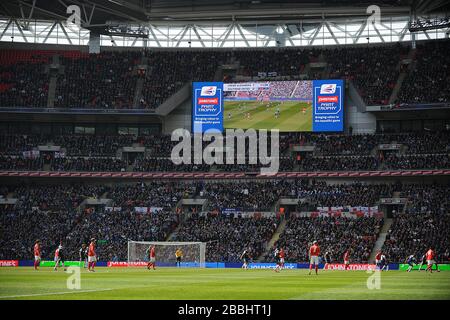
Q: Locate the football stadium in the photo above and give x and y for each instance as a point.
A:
(224, 150)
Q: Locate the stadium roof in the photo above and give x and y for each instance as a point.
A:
(216, 23)
(102, 11)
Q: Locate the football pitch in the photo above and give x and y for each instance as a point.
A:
(261, 116)
(226, 284)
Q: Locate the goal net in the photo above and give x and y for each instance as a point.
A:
(193, 253)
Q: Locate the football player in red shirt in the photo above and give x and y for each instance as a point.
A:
(282, 256)
(37, 254)
(152, 258)
(92, 258)
(346, 259)
(279, 256)
(378, 259)
(314, 252)
(430, 260)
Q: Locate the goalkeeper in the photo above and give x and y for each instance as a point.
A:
(178, 256)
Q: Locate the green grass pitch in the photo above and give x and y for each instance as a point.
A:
(291, 116)
(232, 284)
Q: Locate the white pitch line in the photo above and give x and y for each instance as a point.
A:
(52, 293)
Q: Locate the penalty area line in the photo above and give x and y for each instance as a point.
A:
(53, 293)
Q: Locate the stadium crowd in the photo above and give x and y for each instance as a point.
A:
(415, 234)
(321, 194)
(335, 234)
(88, 80)
(426, 199)
(163, 195)
(430, 161)
(23, 80)
(20, 163)
(16, 144)
(373, 70)
(165, 165)
(424, 223)
(287, 62)
(92, 145)
(46, 212)
(416, 150)
(347, 163)
(115, 228)
(247, 196)
(88, 164)
(169, 71)
(55, 213)
(427, 82)
(228, 236)
(102, 81)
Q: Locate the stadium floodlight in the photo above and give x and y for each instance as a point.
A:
(193, 253)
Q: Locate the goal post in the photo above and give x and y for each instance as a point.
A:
(193, 253)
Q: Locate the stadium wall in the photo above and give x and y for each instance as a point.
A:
(361, 122)
(180, 117)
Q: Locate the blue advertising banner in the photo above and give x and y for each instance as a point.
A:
(229, 211)
(260, 265)
(265, 265)
(207, 106)
(328, 105)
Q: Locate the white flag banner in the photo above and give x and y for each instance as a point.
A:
(155, 209)
(140, 209)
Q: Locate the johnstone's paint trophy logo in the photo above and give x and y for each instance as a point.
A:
(328, 88)
(208, 91)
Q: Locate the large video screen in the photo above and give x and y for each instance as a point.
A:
(300, 105)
